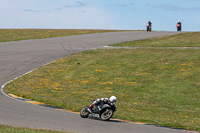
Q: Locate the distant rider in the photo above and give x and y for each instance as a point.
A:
(110, 100)
(149, 23)
(179, 22)
(179, 26)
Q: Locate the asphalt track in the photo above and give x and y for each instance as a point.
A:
(17, 58)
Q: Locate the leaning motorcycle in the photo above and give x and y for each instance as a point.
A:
(103, 111)
(178, 27)
(148, 28)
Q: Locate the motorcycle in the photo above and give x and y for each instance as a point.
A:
(148, 28)
(103, 111)
(178, 27)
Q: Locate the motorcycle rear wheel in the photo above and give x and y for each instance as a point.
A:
(84, 113)
(178, 29)
(148, 29)
(106, 114)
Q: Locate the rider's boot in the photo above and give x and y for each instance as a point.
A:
(90, 108)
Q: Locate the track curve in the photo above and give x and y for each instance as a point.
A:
(17, 58)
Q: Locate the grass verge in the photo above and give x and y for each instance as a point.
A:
(154, 86)
(24, 34)
(9, 129)
(181, 40)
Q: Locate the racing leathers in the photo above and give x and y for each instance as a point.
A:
(97, 101)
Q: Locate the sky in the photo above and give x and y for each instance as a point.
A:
(100, 14)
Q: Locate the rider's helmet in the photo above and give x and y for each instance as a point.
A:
(113, 99)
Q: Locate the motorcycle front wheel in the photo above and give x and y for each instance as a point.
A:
(147, 29)
(84, 113)
(106, 114)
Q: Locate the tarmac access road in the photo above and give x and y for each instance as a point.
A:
(17, 58)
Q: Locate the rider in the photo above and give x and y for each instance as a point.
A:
(149, 23)
(178, 25)
(179, 22)
(111, 100)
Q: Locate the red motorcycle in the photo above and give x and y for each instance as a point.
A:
(178, 27)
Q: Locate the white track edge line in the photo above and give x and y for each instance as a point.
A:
(5, 94)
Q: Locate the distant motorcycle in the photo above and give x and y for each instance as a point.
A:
(148, 28)
(103, 111)
(178, 27)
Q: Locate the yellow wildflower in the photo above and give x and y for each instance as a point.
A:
(144, 74)
(85, 82)
(99, 70)
(83, 92)
(183, 64)
(106, 83)
(107, 88)
(130, 83)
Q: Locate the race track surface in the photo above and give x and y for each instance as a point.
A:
(17, 58)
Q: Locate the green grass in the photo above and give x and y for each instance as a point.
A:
(181, 40)
(158, 86)
(155, 86)
(9, 129)
(24, 34)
